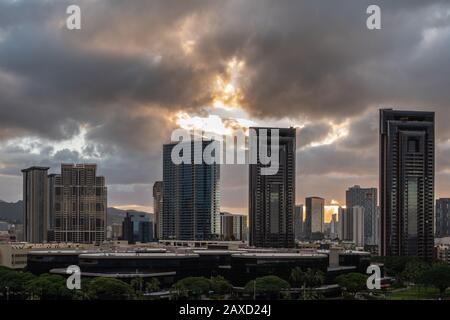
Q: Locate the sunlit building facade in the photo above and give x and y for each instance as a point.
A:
(315, 216)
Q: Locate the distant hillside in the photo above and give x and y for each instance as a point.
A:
(12, 212)
(117, 215)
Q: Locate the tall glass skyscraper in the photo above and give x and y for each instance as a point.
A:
(272, 197)
(137, 227)
(442, 217)
(191, 203)
(35, 204)
(407, 148)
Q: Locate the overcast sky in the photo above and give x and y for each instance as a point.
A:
(112, 92)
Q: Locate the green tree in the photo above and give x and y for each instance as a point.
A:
(13, 284)
(437, 276)
(268, 286)
(102, 288)
(152, 285)
(138, 285)
(308, 279)
(220, 285)
(83, 294)
(395, 266)
(352, 282)
(191, 287)
(413, 271)
(49, 287)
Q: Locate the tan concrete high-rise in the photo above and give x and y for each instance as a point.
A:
(35, 204)
(79, 204)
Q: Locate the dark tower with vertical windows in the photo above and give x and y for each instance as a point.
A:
(191, 197)
(272, 197)
(407, 183)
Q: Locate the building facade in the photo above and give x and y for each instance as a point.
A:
(334, 227)
(407, 154)
(233, 226)
(442, 217)
(443, 253)
(158, 191)
(345, 216)
(79, 204)
(272, 197)
(367, 199)
(191, 204)
(35, 204)
(359, 224)
(137, 227)
(298, 222)
(315, 215)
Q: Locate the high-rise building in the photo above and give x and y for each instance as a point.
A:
(345, 216)
(114, 231)
(442, 217)
(158, 191)
(340, 223)
(137, 227)
(79, 204)
(407, 148)
(315, 215)
(272, 197)
(233, 226)
(298, 222)
(334, 226)
(366, 198)
(35, 204)
(191, 201)
(51, 204)
(358, 226)
(377, 227)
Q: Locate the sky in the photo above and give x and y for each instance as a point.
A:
(112, 92)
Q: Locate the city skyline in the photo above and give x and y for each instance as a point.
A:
(198, 71)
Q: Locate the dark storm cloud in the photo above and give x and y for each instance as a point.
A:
(313, 132)
(363, 132)
(318, 58)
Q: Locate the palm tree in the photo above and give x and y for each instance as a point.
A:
(308, 280)
(152, 285)
(137, 284)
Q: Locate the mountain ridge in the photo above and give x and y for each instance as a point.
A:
(12, 212)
